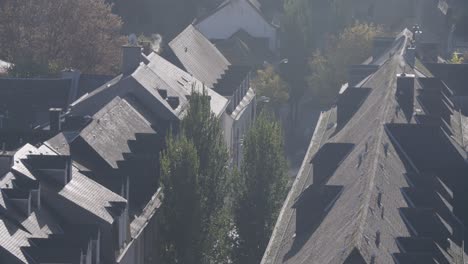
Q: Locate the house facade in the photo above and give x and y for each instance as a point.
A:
(199, 57)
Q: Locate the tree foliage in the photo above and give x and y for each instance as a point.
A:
(209, 181)
(329, 68)
(262, 187)
(269, 84)
(457, 58)
(179, 215)
(42, 36)
(297, 38)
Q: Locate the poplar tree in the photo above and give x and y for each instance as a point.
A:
(261, 189)
(196, 215)
(179, 219)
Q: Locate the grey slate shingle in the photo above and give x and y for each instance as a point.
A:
(199, 56)
(373, 210)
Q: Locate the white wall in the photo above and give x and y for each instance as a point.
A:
(235, 16)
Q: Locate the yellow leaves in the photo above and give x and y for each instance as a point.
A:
(457, 58)
(329, 68)
(268, 83)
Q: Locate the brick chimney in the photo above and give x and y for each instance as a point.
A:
(131, 58)
(54, 119)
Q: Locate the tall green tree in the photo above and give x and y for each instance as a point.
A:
(180, 227)
(305, 27)
(44, 36)
(195, 173)
(261, 190)
(204, 129)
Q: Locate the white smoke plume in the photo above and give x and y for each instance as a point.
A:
(156, 42)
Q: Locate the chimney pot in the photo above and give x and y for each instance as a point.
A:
(131, 59)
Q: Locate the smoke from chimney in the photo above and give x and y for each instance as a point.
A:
(156, 41)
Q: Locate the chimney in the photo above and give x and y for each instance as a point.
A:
(173, 101)
(381, 44)
(357, 73)
(74, 76)
(146, 47)
(131, 58)
(410, 55)
(54, 119)
(405, 94)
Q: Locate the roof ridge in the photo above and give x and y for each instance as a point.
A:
(397, 58)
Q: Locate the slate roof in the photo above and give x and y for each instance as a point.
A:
(182, 83)
(153, 85)
(454, 75)
(42, 93)
(377, 158)
(112, 128)
(255, 4)
(243, 49)
(24, 237)
(26, 102)
(90, 82)
(199, 56)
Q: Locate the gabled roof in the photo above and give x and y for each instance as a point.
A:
(142, 84)
(112, 129)
(153, 85)
(362, 222)
(243, 49)
(23, 233)
(199, 56)
(255, 4)
(182, 83)
(90, 82)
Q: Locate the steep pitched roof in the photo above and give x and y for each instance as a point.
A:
(361, 223)
(142, 84)
(19, 228)
(182, 83)
(199, 56)
(112, 128)
(243, 49)
(255, 4)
